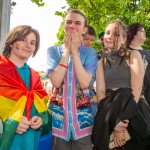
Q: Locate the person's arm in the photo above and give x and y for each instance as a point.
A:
(137, 73)
(100, 81)
(83, 76)
(57, 76)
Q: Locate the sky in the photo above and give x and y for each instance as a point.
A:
(44, 20)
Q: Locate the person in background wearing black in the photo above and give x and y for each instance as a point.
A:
(135, 40)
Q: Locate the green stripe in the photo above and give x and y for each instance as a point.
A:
(10, 126)
(47, 122)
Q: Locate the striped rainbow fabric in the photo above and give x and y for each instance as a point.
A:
(15, 98)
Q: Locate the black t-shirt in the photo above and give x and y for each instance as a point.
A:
(145, 53)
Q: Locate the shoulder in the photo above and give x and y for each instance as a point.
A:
(34, 73)
(135, 54)
(88, 50)
(135, 58)
(3, 59)
(55, 48)
(55, 51)
(91, 50)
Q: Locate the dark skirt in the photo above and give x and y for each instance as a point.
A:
(120, 105)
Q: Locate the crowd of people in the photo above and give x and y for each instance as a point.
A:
(113, 115)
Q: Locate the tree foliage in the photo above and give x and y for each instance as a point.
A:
(100, 12)
(42, 74)
(40, 3)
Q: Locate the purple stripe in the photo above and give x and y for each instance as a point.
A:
(79, 132)
(56, 131)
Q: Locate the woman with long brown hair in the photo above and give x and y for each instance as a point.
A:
(118, 93)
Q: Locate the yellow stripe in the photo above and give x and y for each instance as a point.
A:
(41, 104)
(6, 105)
(17, 111)
(11, 108)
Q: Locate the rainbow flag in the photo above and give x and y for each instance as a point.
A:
(15, 98)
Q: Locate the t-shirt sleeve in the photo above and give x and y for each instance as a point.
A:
(52, 59)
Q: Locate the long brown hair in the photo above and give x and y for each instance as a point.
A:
(16, 34)
(123, 52)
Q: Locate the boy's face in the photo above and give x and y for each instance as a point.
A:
(87, 40)
(75, 22)
(24, 47)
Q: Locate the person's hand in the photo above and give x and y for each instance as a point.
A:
(76, 41)
(119, 138)
(23, 125)
(36, 122)
(119, 133)
(121, 126)
(67, 41)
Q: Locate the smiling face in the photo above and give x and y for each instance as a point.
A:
(24, 47)
(75, 21)
(114, 36)
(140, 35)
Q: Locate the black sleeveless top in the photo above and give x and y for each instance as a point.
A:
(117, 74)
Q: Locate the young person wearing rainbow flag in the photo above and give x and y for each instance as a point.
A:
(23, 99)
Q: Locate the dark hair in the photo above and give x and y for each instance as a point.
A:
(91, 31)
(132, 31)
(76, 11)
(101, 34)
(16, 34)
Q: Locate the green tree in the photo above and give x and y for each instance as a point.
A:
(40, 3)
(100, 12)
